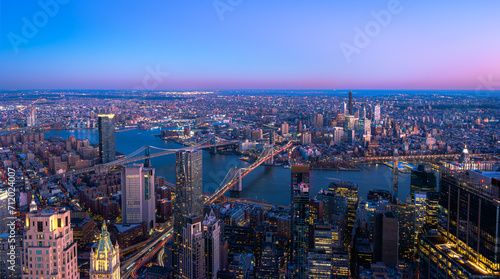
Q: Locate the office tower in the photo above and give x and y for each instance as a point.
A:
(319, 265)
(192, 250)
(423, 179)
(31, 119)
(300, 218)
(49, 249)
(343, 109)
(106, 124)
(420, 202)
(188, 194)
(319, 121)
(4, 205)
(333, 204)
(306, 138)
(338, 134)
(211, 236)
(376, 114)
(469, 235)
(405, 213)
(349, 123)
(340, 264)
(315, 211)
(268, 267)
(351, 111)
(431, 213)
(323, 236)
(138, 196)
(349, 190)
(386, 238)
(363, 113)
(284, 129)
(105, 260)
(10, 259)
(395, 172)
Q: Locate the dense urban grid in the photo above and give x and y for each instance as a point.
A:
(85, 208)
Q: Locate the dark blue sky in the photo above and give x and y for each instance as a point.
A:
(246, 44)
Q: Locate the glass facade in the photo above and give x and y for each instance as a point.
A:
(107, 150)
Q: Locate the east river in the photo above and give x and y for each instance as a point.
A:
(267, 183)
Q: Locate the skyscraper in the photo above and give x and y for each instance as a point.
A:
(468, 243)
(106, 124)
(349, 190)
(351, 112)
(423, 179)
(376, 114)
(105, 260)
(386, 238)
(138, 196)
(192, 252)
(395, 172)
(300, 218)
(211, 236)
(31, 120)
(284, 129)
(268, 268)
(188, 194)
(51, 253)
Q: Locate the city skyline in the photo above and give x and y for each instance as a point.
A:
(249, 45)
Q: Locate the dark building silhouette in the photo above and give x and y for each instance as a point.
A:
(107, 152)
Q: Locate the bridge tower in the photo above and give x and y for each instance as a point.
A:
(237, 188)
(147, 151)
(213, 141)
(268, 150)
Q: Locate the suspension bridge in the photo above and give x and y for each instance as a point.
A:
(232, 181)
(212, 142)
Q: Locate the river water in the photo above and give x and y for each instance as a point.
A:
(267, 183)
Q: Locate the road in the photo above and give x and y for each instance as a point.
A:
(130, 266)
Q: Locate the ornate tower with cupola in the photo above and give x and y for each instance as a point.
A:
(105, 261)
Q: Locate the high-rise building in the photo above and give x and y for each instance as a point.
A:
(300, 218)
(211, 236)
(31, 119)
(192, 250)
(49, 248)
(306, 138)
(423, 179)
(343, 109)
(105, 260)
(376, 114)
(338, 134)
(395, 172)
(284, 129)
(188, 194)
(268, 267)
(332, 204)
(138, 196)
(107, 150)
(386, 238)
(319, 265)
(319, 121)
(405, 213)
(468, 243)
(323, 237)
(349, 190)
(11, 249)
(351, 110)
